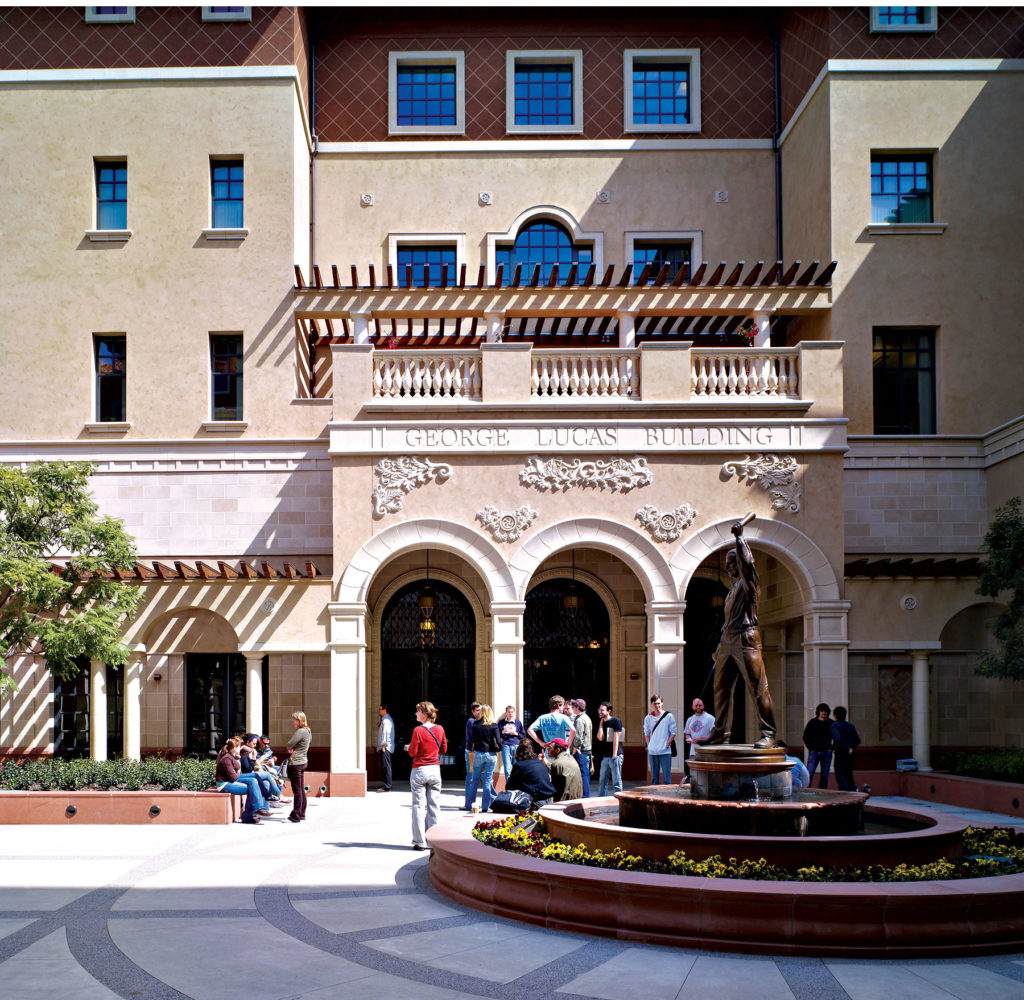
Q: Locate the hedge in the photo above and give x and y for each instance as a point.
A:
(53, 774)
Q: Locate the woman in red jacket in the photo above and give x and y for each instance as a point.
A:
(426, 746)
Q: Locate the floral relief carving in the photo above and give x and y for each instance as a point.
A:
(775, 474)
(399, 476)
(509, 526)
(622, 474)
(666, 526)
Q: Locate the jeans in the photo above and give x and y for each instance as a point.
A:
(483, 764)
(249, 806)
(270, 788)
(508, 758)
(611, 771)
(814, 758)
(426, 798)
(843, 766)
(661, 768)
(385, 768)
(583, 759)
(297, 776)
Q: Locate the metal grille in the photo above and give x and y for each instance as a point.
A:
(400, 627)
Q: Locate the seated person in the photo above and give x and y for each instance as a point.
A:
(565, 772)
(530, 775)
(799, 776)
(268, 783)
(229, 778)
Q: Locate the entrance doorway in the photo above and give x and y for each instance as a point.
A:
(566, 647)
(215, 700)
(428, 664)
(71, 712)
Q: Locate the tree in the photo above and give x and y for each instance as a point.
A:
(1004, 548)
(72, 610)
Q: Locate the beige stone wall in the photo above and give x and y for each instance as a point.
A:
(26, 715)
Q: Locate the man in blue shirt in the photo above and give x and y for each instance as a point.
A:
(553, 725)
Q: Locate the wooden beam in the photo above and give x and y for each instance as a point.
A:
(143, 573)
(408, 275)
(185, 572)
(498, 277)
(247, 571)
(825, 278)
(571, 279)
(698, 274)
(627, 276)
(679, 280)
(552, 278)
(517, 275)
(300, 282)
(317, 280)
(311, 570)
(805, 278)
(207, 572)
(444, 276)
(588, 281)
(269, 573)
(391, 276)
(755, 271)
(355, 277)
(773, 274)
(662, 276)
(462, 276)
(535, 277)
(716, 278)
(226, 572)
(335, 277)
(373, 277)
(289, 571)
(734, 275)
(608, 275)
(787, 278)
(481, 276)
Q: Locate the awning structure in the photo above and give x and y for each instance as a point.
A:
(196, 569)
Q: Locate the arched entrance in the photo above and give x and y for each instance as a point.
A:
(428, 665)
(566, 628)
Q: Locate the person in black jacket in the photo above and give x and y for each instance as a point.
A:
(486, 747)
(845, 739)
(530, 775)
(818, 740)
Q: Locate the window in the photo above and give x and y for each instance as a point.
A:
(426, 93)
(904, 381)
(901, 188)
(226, 178)
(544, 91)
(109, 354)
(112, 194)
(226, 371)
(904, 19)
(72, 700)
(109, 15)
(546, 244)
(227, 13)
(656, 256)
(661, 88)
(427, 263)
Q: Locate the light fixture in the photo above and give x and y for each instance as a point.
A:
(572, 600)
(427, 603)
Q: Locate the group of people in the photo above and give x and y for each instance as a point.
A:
(831, 742)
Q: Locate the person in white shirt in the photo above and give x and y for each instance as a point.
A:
(385, 745)
(659, 732)
(698, 727)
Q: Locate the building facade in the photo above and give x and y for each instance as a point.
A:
(434, 358)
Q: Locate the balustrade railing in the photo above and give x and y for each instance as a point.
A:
(586, 374)
(772, 372)
(426, 374)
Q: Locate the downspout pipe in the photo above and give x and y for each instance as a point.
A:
(312, 156)
(776, 49)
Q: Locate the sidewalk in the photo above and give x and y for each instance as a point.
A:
(341, 907)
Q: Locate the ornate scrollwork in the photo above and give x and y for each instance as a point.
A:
(509, 526)
(399, 476)
(776, 474)
(667, 526)
(622, 474)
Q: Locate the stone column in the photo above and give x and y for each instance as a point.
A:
(627, 329)
(665, 657)
(507, 656)
(495, 324)
(348, 691)
(97, 710)
(133, 703)
(920, 713)
(360, 328)
(253, 692)
(762, 336)
(826, 673)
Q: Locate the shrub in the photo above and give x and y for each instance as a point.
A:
(996, 764)
(50, 774)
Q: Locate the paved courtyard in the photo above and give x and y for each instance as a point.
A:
(341, 907)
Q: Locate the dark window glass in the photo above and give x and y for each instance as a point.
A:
(427, 263)
(111, 11)
(110, 378)
(228, 189)
(902, 15)
(426, 95)
(112, 194)
(543, 94)
(661, 93)
(71, 714)
(904, 381)
(546, 244)
(675, 255)
(901, 188)
(226, 369)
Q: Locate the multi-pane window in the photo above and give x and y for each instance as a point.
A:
(543, 94)
(110, 378)
(657, 255)
(427, 263)
(226, 375)
(227, 13)
(227, 182)
(109, 15)
(901, 188)
(904, 18)
(111, 194)
(661, 93)
(546, 244)
(426, 95)
(904, 381)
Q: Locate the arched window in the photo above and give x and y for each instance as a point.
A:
(545, 243)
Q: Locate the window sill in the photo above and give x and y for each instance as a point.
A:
(691, 127)
(544, 129)
(108, 427)
(225, 426)
(225, 234)
(108, 235)
(908, 229)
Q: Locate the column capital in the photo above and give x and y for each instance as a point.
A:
(253, 654)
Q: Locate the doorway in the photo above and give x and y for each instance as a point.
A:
(215, 700)
(71, 712)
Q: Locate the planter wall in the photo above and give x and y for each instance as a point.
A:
(19, 808)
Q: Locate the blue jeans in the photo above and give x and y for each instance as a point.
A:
(583, 759)
(814, 758)
(268, 785)
(483, 764)
(661, 765)
(248, 786)
(508, 758)
(611, 771)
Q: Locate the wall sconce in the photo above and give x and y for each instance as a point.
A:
(634, 677)
(158, 677)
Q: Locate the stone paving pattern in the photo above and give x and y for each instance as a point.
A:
(341, 907)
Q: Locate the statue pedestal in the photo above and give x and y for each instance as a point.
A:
(740, 772)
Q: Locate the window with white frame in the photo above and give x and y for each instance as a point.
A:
(903, 19)
(656, 251)
(109, 15)
(227, 13)
(544, 91)
(426, 260)
(661, 90)
(426, 93)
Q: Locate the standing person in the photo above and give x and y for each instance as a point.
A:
(818, 740)
(659, 732)
(425, 747)
(474, 714)
(486, 747)
(845, 740)
(608, 748)
(512, 734)
(297, 748)
(385, 745)
(553, 724)
(584, 741)
(698, 727)
(565, 772)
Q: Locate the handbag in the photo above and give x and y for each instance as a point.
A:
(513, 801)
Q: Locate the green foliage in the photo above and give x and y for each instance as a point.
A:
(47, 513)
(51, 774)
(996, 764)
(1004, 572)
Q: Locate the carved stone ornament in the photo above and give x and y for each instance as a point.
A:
(622, 474)
(399, 476)
(776, 474)
(506, 527)
(669, 526)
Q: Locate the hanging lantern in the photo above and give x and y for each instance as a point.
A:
(427, 603)
(572, 601)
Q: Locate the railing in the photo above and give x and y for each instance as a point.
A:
(751, 372)
(426, 375)
(592, 374)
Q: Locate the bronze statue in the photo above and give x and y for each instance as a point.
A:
(739, 649)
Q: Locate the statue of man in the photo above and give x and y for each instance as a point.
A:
(739, 649)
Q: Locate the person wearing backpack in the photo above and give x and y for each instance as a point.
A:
(425, 747)
(659, 732)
